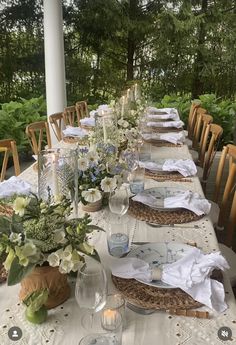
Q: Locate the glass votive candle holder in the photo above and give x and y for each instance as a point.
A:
(116, 302)
(111, 321)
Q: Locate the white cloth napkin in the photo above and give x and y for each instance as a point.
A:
(162, 117)
(176, 124)
(191, 273)
(88, 121)
(93, 113)
(188, 200)
(74, 132)
(185, 167)
(14, 185)
(174, 138)
(154, 110)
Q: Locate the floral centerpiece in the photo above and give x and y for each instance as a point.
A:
(100, 172)
(42, 245)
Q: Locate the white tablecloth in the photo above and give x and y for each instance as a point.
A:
(63, 326)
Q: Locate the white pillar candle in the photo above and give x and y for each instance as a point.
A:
(122, 107)
(55, 186)
(104, 128)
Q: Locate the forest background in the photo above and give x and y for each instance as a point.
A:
(176, 50)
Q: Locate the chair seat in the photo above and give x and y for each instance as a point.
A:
(214, 212)
(230, 256)
(194, 155)
(188, 142)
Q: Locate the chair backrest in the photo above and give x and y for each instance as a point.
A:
(208, 149)
(70, 116)
(56, 122)
(192, 119)
(228, 154)
(82, 109)
(231, 226)
(37, 132)
(200, 128)
(8, 146)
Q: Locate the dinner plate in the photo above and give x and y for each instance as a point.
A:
(158, 254)
(160, 193)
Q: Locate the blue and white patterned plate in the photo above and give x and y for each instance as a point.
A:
(157, 254)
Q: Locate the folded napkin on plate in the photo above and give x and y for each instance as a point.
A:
(185, 167)
(88, 121)
(154, 110)
(74, 132)
(163, 116)
(14, 185)
(191, 273)
(174, 138)
(188, 200)
(176, 124)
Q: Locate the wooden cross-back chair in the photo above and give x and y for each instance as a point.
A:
(8, 146)
(192, 119)
(70, 116)
(208, 150)
(199, 131)
(82, 109)
(37, 132)
(228, 157)
(56, 122)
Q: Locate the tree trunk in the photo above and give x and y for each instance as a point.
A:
(133, 4)
(197, 83)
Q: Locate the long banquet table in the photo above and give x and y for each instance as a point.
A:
(63, 326)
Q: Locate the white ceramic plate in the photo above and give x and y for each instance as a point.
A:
(160, 193)
(157, 254)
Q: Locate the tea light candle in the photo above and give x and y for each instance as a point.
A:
(111, 319)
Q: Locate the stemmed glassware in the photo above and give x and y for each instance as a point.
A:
(117, 235)
(119, 202)
(91, 290)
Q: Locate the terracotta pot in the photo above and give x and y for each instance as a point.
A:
(50, 278)
(92, 206)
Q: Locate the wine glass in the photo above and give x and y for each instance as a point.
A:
(119, 202)
(117, 234)
(91, 290)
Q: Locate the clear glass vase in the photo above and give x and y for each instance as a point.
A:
(58, 175)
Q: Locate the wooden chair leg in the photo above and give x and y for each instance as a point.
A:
(15, 158)
(4, 165)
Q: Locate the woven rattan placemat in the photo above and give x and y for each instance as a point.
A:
(145, 213)
(165, 129)
(151, 297)
(160, 143)
(172, 176)
(74, 140)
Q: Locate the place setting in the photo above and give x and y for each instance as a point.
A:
(168, 205)
(180, 170)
